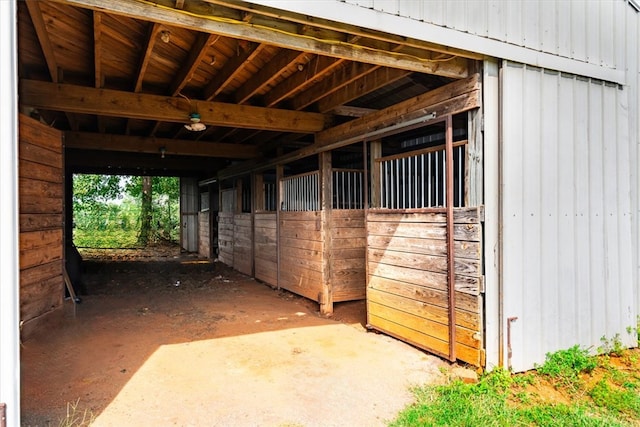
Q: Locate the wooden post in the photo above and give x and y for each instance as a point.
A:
(451, 275)
(326, 205)
(376, 153)
(279, 176)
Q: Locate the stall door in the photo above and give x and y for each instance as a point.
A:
(189, 201)
(225, 226)
(408, 292)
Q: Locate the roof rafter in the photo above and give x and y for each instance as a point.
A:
(230, 70)
(456, 67)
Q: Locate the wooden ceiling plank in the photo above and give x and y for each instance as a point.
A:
(152, 34)
(138, 144)
(315, 69)
(267, 74)
(455, 67)
(196, 54)
(79, 99)
(229, 70)
(33, 6)
(361, 86)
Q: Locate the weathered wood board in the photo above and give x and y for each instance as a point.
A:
(407, 289)
(348, 252)
(243, 243)
(204, 229)
(41, 199)
(265, 247)
(301, 243)
(225, 238)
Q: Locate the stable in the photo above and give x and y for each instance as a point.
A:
(470, 169)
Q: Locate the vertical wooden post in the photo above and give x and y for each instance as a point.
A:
(279, 176)
(376, 153)
(258, 192)
(326, 205)
(451, 274)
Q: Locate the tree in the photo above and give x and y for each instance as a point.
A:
(146, 211)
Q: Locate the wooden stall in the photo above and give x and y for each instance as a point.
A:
(225, 226)
(407, 293)
(41, 223)
(322, 236)
(424, 251)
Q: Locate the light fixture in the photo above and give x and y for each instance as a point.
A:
(194, 118)
(195, 125)
(162, 151)
(165, 36)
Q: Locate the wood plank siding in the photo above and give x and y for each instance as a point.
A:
(243, 243)
(407, 289)
(265, 256)
(301, 244)
(204, 230)
(348, 254)
(41, 223)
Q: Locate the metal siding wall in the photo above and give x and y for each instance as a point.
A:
(566, 207)
(584, 30)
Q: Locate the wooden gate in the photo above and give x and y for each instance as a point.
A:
(411, 246)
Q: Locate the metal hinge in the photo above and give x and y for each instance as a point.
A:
(3, 415)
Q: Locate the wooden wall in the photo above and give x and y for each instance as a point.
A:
(41, 222)
(243, 243)
(301, 246)
(204, 234)
(407, 291)
(225, 226)
(348, 254)
(265, 247)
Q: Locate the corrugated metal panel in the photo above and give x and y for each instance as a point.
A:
(566, 212)
(584, 30)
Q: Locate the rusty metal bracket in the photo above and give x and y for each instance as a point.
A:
(510, 320)
(3, 415)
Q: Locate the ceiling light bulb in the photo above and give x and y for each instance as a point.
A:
(165, 36)
(195, 126)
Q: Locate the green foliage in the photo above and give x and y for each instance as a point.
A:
(487, 404)
(106, 210)
(502, 399)
(620, 399)
(564, 366)
(613, 345)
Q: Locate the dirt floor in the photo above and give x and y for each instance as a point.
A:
(166, 339)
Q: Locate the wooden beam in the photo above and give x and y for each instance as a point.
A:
(79, 99)
(267, 74)
(456, 67)
(196, 54)
(231, 68)
(454, 98)
(461, 95)
(361, 86)
(350, 29)
(152, 33)
(33, 6)
(97, 48)
(139, 144)
(315, 69)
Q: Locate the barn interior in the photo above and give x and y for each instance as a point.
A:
(216, 91)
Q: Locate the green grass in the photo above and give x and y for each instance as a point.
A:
(597, 393)
(105, 238)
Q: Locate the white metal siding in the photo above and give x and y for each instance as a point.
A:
(567, 212)
(9, 243)
(189, 199)
(583, 37)
(584, 30)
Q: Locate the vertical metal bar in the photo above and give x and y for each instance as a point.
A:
(451, 274)
(423, 180)
(437, 200)
(402, 180)
(430, 180)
